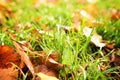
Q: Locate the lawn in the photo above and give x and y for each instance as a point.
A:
(60, 39)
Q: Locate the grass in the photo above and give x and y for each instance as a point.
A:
(78, 55)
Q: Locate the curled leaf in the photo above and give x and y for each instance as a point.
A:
(23, 56)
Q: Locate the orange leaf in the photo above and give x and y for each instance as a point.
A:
(8, 74)
(115, 15)
(7, 55)
(110, 46)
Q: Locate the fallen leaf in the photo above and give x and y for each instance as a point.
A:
(50, 61)
(23, 56)
(38, 3)
(45, 70)
(74, 28)
(45, 73)
(8, 74)
(115, 59)
(110, 46)
(26, 46)
(92, 1)
(45, 77)
(37, 33)
(9, 12)
(28, 26)
(2, 4)
(17, 26)
(8, 55)
(115, 14)
(76, 17)
(95, 39)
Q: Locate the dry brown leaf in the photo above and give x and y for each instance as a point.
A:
(95, 39)
(17, 26)
(50, 61)
(45, 73)
(8, 55)
(9, 12)
(115, 59)
(46, 70)
(28, 25)
(37, 33)
(38, 3)
(26, 46)
(85, 14)
(74, 28)
(2, 4)
(23, 56)
(45, 77)
(8, 74)
(1, 7)
(115, 14)
(110, 46)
